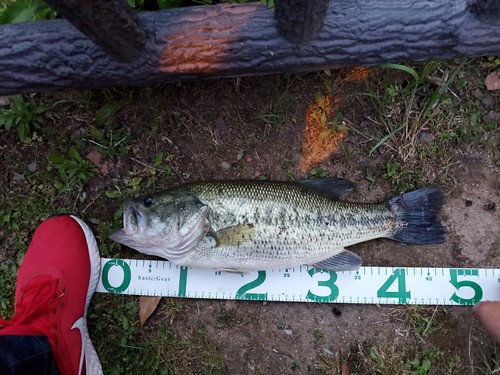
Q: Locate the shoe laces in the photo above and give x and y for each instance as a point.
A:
(36, 305)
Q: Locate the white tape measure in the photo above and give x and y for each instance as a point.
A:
(373, 285)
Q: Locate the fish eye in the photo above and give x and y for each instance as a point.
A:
(148, 201)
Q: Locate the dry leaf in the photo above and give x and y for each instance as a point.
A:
(321, 134)
(147, 306)
(345, 369)
(357, 73)
(436, 81)
(95, 157)
(493, 81)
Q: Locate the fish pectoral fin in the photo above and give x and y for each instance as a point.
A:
(234, 235)
(335, 188)
(344, 261)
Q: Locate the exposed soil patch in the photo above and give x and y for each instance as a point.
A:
(252, 129)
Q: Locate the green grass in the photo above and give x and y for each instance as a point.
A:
(125, 348)
(227, 318)
(25, 116)
(281, 103)
(317, 334)
(422, 115)
(364, 358)
(146, 135)
(427, 325)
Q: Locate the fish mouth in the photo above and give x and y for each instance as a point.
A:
(133, 222)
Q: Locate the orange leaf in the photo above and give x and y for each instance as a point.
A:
(493, 81)
(147, 306)
(357, 73)
(321, 136)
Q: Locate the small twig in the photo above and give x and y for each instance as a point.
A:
(178, 173)
(91, 203)
(78, 196)
(120, 141)
(350, 125)
(96, 143)
(471, 360)
(430, 321)
(144, 164)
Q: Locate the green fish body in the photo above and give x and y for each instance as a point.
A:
(258, 225)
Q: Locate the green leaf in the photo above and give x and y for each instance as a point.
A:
(56, 159)
(9, 121)
(403, 68)
(438, 93)
(38, 110)
(319, 98)
(106, 112)
(167, 4)
(113, 194)
(426, 364)
(20, 11)
(74, 154)
(158, 159)
(22, 131)
(383, 140)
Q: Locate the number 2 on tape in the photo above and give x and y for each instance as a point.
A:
(242, 293)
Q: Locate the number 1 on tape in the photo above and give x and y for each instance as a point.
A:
(381, 285)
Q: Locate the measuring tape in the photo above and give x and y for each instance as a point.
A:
(372, 285)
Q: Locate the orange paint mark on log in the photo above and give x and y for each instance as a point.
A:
(322, 132)
(208, 39)
(192, 54)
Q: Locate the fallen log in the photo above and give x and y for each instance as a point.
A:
(242, 39)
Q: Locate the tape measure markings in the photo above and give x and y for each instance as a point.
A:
(380, 285)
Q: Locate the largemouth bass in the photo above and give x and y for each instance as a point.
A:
(259, 225)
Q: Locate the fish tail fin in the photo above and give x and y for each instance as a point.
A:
(416, 216)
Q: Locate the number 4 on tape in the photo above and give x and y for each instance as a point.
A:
(401, 293)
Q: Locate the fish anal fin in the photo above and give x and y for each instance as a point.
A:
(335, 188)
(234, 235)
(344, 261)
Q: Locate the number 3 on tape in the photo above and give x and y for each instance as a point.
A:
(329, 283)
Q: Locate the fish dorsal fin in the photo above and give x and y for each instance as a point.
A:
(335, 188)
(344, 261)
(234, 235)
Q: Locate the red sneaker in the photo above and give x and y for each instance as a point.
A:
(55, 283)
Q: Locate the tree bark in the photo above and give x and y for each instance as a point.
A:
(241, 40)
(299, 21)
(111, 24)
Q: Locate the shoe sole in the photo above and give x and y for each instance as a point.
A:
(92, 363)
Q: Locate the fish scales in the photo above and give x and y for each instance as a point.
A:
(291, 222)
(278, 204)
(257, 225)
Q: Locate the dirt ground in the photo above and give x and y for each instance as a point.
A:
(252, 128)
(277, 338)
